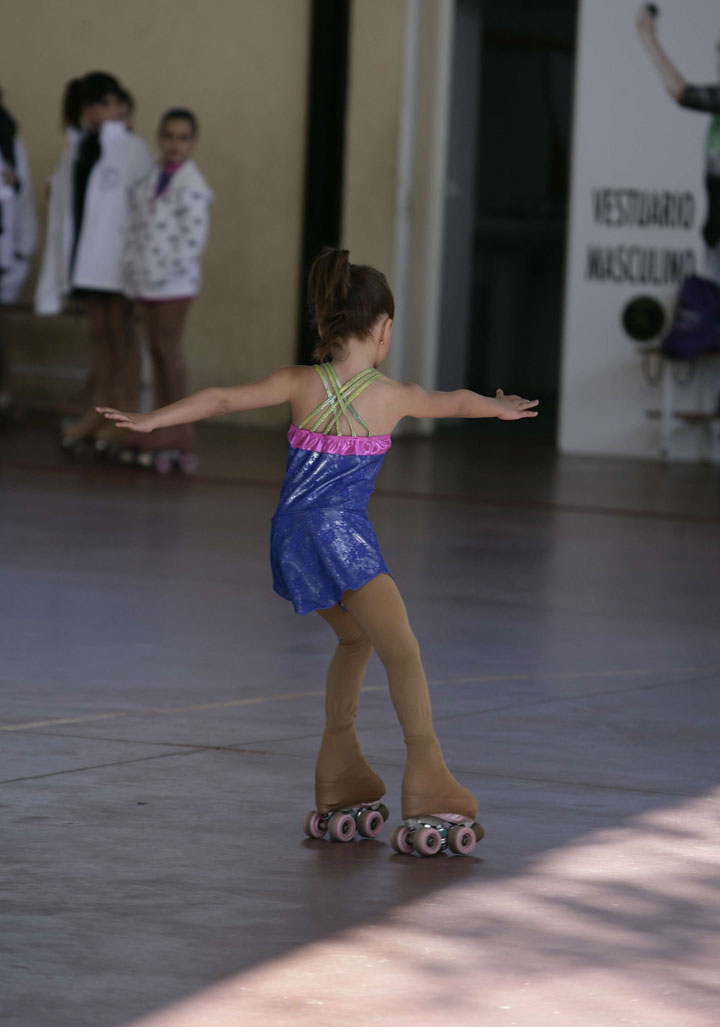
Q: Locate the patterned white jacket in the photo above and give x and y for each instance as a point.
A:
(166, 235)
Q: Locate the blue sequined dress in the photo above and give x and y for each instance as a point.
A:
(321, 541)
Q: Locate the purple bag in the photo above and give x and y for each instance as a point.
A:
(696, 324)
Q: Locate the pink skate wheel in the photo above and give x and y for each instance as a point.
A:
(164, 463)
(479, 831)
(461, 840)
(341, 827)
(312, 825)
(400, 840)
(427, 841)
(384, 812)
(188, 463)
(370, 823)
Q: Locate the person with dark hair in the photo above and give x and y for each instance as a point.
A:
(84, 248)
(126, 107)
(167, 232)
(706, 100)
(71, 104)
(325, 556)
(18, 229)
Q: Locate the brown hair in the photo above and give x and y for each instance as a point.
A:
(345, 299)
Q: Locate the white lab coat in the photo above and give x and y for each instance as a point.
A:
(18, 237)
(124, 157)
(53, 281)
(167, 234)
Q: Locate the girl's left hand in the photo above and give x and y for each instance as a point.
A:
(515, 407)
(135, 422)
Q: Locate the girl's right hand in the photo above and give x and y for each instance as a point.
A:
(135, 422)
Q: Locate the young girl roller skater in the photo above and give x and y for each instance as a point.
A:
(325, 555)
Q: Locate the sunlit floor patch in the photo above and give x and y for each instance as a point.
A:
(619, 927)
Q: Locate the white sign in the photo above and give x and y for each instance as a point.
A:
(639, 203)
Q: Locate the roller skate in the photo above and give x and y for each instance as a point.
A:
(347, 797)
(430, 834)
(110, 442)
(340, 825)
(428, 784)
(77, 439)
(165, 451)
(9, 411)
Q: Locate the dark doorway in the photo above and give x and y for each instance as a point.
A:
(325, 144)
(509, 188)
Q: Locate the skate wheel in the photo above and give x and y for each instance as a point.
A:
(427, 841)
(188, 463)
(313, 825)
(400, 840)
(384, 812)
(370, 823)
(164, 463)
(341, 827)
(144, 460)
(478, 830)
(461, 840)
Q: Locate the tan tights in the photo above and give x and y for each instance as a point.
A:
(115, 370)
(165, 322)
(375, 618)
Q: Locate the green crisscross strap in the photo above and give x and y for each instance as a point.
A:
(327, 417)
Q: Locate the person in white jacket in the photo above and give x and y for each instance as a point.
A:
(18, 228)
(18, 224)
(53, 282)
(85, 256)
(167, 232)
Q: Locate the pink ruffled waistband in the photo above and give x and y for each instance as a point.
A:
(340, 445)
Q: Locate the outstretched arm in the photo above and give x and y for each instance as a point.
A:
(671, 77)
(271, 391)
(418, 402)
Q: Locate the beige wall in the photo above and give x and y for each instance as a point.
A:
(372, 168)
(242, 66)
(374, 94)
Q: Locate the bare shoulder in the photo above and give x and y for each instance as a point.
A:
(392, 400)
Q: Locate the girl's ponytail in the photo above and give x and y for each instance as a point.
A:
(328, 288)
(345, 299)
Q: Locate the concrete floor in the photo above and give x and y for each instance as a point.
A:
(161, 709)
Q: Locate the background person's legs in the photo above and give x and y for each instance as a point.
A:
(342, 775)
(101, 372)
(428, 786)
(119, 352)
(164, 324)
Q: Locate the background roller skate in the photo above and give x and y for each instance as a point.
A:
(431, 834)
(77, 436)
(367, 819)
(10, 413)
(164, 451)
(110, 442)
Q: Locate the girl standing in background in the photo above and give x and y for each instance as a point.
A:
(167, 232)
